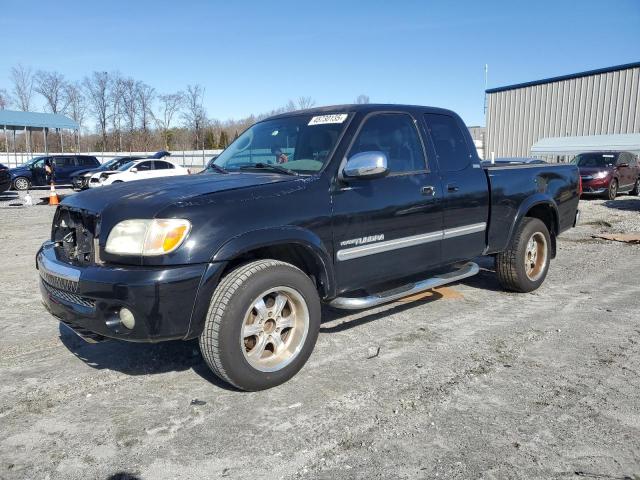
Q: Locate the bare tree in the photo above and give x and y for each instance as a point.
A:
(51, 86)
(130, 106)
(170, 104)
(117, 107)
(22, 78)
(194, 115)
(361, 99)
(289, 107)
(146, 96)
(76, 102)
(305, 102)
(97, 87)
(5, 100)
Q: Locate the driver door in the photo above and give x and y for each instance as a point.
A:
(390, 227)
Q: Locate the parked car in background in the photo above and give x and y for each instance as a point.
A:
(32, 173)
(5, 178)
(608, 173)
(81, 179)
(137, 170)
(514, 161)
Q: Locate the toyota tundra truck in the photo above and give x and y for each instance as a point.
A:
(350, 206)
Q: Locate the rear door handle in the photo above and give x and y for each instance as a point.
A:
(452, 188)
(428, 190)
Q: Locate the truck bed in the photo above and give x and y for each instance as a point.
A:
(515, 188)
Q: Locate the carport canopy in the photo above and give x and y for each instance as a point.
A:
(30, 121)
(627, 142)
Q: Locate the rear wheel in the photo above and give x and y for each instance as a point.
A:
(612, 191)
(636, 188)
(21, 183)
(262, 325)
(524, 265)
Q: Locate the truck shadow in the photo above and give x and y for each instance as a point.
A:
(140, 358)
(179, 355)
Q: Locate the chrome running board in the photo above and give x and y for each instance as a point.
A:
(356, 303)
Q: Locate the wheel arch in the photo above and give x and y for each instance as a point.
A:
(544, 209)
(294, 245)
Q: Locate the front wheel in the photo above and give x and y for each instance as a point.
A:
(262, 325)
(636, 188)
(21, 183)
(524, 265)
(612, 191)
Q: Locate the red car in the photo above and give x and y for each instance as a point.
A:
(608, 173)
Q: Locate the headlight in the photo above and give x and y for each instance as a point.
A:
(147, 237)
(601, 174)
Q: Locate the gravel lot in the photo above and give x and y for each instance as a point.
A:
(469, 381)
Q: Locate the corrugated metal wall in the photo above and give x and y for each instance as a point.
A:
(590, 105)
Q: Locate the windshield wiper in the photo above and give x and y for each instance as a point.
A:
(217, 168)
(269, 166)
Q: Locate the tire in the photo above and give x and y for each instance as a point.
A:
(226, 342)
(636, 188)
(21, 183)
(612, 191)
(513, 270)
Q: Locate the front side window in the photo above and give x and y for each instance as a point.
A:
(395, 135)
(144, 166)
(449, 142)
(300, 143)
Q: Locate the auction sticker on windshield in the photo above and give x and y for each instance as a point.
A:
(324, 119)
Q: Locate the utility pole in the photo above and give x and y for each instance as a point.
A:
(486, 82)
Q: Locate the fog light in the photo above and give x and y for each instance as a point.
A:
(126, 318)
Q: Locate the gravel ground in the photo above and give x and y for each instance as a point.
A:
(468, 381)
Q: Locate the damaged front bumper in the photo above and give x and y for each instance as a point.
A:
(89, 299)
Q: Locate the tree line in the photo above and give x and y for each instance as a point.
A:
(127, 114)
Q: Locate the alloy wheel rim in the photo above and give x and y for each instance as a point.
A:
(274, 329)
(21, 184)
(535, 257)
(613, 187)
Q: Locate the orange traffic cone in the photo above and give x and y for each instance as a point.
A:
(53, 196)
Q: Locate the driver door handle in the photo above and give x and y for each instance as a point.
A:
(452, 187)
(428, 190)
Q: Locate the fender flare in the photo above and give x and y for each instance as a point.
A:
(279, 236)
(531, 202)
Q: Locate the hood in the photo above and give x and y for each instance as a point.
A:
(19, 170)
(143, 198)
(594, 170)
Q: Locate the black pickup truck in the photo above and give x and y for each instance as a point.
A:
(351, 206)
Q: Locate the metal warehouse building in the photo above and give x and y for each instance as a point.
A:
(597, 102)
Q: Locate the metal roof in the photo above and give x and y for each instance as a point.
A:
(564, 77)
(18, 120)
(623, 142)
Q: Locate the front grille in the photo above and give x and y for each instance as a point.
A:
(69, 297)
(59, 282)
(75, 233)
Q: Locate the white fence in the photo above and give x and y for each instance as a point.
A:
(187, 158)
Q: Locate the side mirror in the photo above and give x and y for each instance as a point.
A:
(134, 170)
(366, 165)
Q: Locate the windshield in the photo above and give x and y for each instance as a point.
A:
(30, 163)
(595, 159)
(126, 166)
(300, 143)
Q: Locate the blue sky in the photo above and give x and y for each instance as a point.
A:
(253, 56)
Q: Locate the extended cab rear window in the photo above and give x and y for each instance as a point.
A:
(449, 142)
